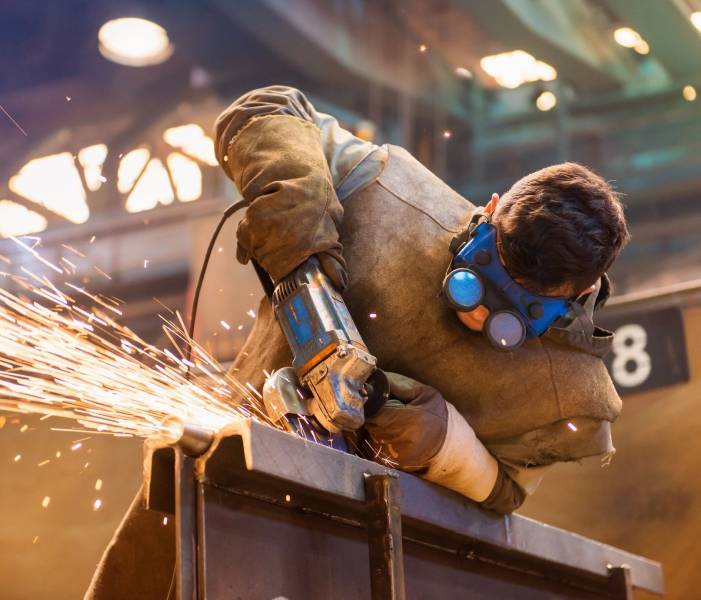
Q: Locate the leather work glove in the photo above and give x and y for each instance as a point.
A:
(279, 166)
(334, 266)
(410, 428)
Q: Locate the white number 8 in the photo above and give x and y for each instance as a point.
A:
(629, 344)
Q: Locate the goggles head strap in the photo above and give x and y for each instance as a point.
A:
(461, 238)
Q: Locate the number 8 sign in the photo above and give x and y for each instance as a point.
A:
(649, 348)
(631, 364)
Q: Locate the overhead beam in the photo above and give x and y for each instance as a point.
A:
(666, 27)
(567, 35)
(322, 43)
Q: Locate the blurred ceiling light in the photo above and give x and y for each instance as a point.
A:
(696, 20)
(130, 167)
(689, 93)
(187, 177)
(192, 140)
(16, 220)
(54, 182)
(642, 47)
(463, 72)
(134, 42)
(91, 159)
(511, 69)
(546, 101)
(627, 37)
(152, 189)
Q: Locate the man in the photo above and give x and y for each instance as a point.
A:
(464, 415)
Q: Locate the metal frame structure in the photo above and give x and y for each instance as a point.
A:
(265, 514)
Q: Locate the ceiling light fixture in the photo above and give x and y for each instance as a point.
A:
(626, 37)
(696, 20)
(187, 177)
(512, 69)
(642, 47)
(152, 189)
(53, 182)
(17, 220)
(192, 140)
(91, 159)
(134, 42)
(546, 101)
(463, 72)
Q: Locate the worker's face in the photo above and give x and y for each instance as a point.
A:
(476, 318)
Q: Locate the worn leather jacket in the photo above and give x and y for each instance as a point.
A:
(314, 188)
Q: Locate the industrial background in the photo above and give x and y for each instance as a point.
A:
(109, 161)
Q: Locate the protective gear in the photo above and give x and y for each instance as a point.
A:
(335, 269)
(419, 431)
(333, 165)
(406, 211)
(463, 464)
(409, 430)
(278, 194)
(140, 560)
(477, 277)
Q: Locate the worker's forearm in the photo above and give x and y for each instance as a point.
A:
(463, 464)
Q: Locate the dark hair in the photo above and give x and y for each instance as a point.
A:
(562, 225)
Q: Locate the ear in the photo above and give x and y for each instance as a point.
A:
(586, 292)
(491, 205)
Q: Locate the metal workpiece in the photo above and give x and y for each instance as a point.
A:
(191, 439)
(275, 515)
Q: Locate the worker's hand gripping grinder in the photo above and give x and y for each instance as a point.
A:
(340, 381)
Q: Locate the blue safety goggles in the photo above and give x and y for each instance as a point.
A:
(477, 277)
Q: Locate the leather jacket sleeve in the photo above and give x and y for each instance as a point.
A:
(287, 160)
(524, 459)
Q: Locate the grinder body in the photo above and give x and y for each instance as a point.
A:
(330, 357)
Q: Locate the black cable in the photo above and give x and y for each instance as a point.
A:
(228, 213)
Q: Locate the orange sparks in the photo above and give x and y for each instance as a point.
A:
(76, 361)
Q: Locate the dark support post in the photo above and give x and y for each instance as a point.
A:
(621, 582)
(201, 544)
(185, 528)
(385, 537)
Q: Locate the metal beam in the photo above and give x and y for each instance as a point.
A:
(255, 461)
(336, 47)
(668, 30)
(567, 35)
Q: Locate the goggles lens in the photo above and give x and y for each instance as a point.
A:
(505, 330)
(464, 289)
